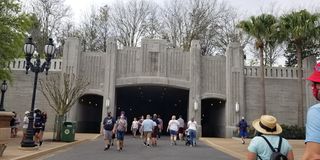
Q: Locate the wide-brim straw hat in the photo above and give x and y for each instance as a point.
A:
(267, 124)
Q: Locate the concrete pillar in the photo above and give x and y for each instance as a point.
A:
(110, 78)
(308, 65)
(234, 87)
(71, 65)
(195, 84)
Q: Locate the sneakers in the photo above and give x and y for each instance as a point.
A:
(107, 147)
(243, 142)
(40, 143)
(144, 143)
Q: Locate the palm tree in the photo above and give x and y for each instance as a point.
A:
(261, 28)
(298, 28)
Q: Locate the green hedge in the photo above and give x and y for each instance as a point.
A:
(288, 132)
(293, 132)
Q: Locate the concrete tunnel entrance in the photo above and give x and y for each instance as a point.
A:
(136, 101)
(213, 117)
(89, 113)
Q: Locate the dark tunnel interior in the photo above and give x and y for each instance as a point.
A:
(165, 101)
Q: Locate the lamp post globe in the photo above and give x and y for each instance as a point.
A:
(36, 67)
(4, 87)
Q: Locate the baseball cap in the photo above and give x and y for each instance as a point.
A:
(315, 76)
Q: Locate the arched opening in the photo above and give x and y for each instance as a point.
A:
(213, 117)
(89, 113)
(136, 101)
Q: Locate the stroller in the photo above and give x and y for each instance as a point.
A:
(188, 138)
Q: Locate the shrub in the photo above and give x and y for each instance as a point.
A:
(293, 132)
(288, 132)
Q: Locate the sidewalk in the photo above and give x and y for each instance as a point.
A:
(14, 152)
(233, 146)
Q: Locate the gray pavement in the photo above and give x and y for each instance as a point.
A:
(135, 150)
(93, 145)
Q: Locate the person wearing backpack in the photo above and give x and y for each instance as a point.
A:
(108, 124)
(312, 141)
(269, 145)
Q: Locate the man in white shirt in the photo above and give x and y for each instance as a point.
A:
(25, 124)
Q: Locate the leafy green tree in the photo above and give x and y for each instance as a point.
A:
(310, 48)
(13, 26)
(262, 29)
(298, 29)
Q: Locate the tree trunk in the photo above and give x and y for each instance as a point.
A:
(263, 92)
(58, 127)
(300, 89)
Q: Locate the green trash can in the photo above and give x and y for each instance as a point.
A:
(68, 131)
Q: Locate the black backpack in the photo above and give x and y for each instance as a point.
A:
(276, 154)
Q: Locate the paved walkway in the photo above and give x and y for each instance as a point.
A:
(231, 146)
(14, 152)
(135, 150)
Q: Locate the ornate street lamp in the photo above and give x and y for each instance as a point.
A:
(36, 67)
(4, 87)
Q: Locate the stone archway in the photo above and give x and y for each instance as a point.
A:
(213, 117)
(89, 113)
(149, 99)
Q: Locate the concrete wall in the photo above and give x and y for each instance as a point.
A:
(213, 77)
(19, 95)
(281, 99)
(222, 77)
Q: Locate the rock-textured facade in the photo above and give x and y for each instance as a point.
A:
(223, 78)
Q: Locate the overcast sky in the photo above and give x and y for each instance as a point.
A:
(244, 7)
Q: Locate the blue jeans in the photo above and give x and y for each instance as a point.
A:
(193, 134)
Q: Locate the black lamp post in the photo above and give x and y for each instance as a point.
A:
(36, 67)
(4, 88)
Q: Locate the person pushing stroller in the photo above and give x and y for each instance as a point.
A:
(191, 133)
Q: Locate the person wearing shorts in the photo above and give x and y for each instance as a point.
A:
(147, 127)
(181, 127)
(173, 127)
(108, 124)
(155, 131)
(120, 128)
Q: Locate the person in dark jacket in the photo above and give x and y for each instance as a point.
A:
(38, 125)
(242, 129)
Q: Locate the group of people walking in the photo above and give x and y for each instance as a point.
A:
(266, 144)
(40, 119)
(150, 129)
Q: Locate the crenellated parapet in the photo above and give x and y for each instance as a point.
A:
(272, 72)
(20, 64)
